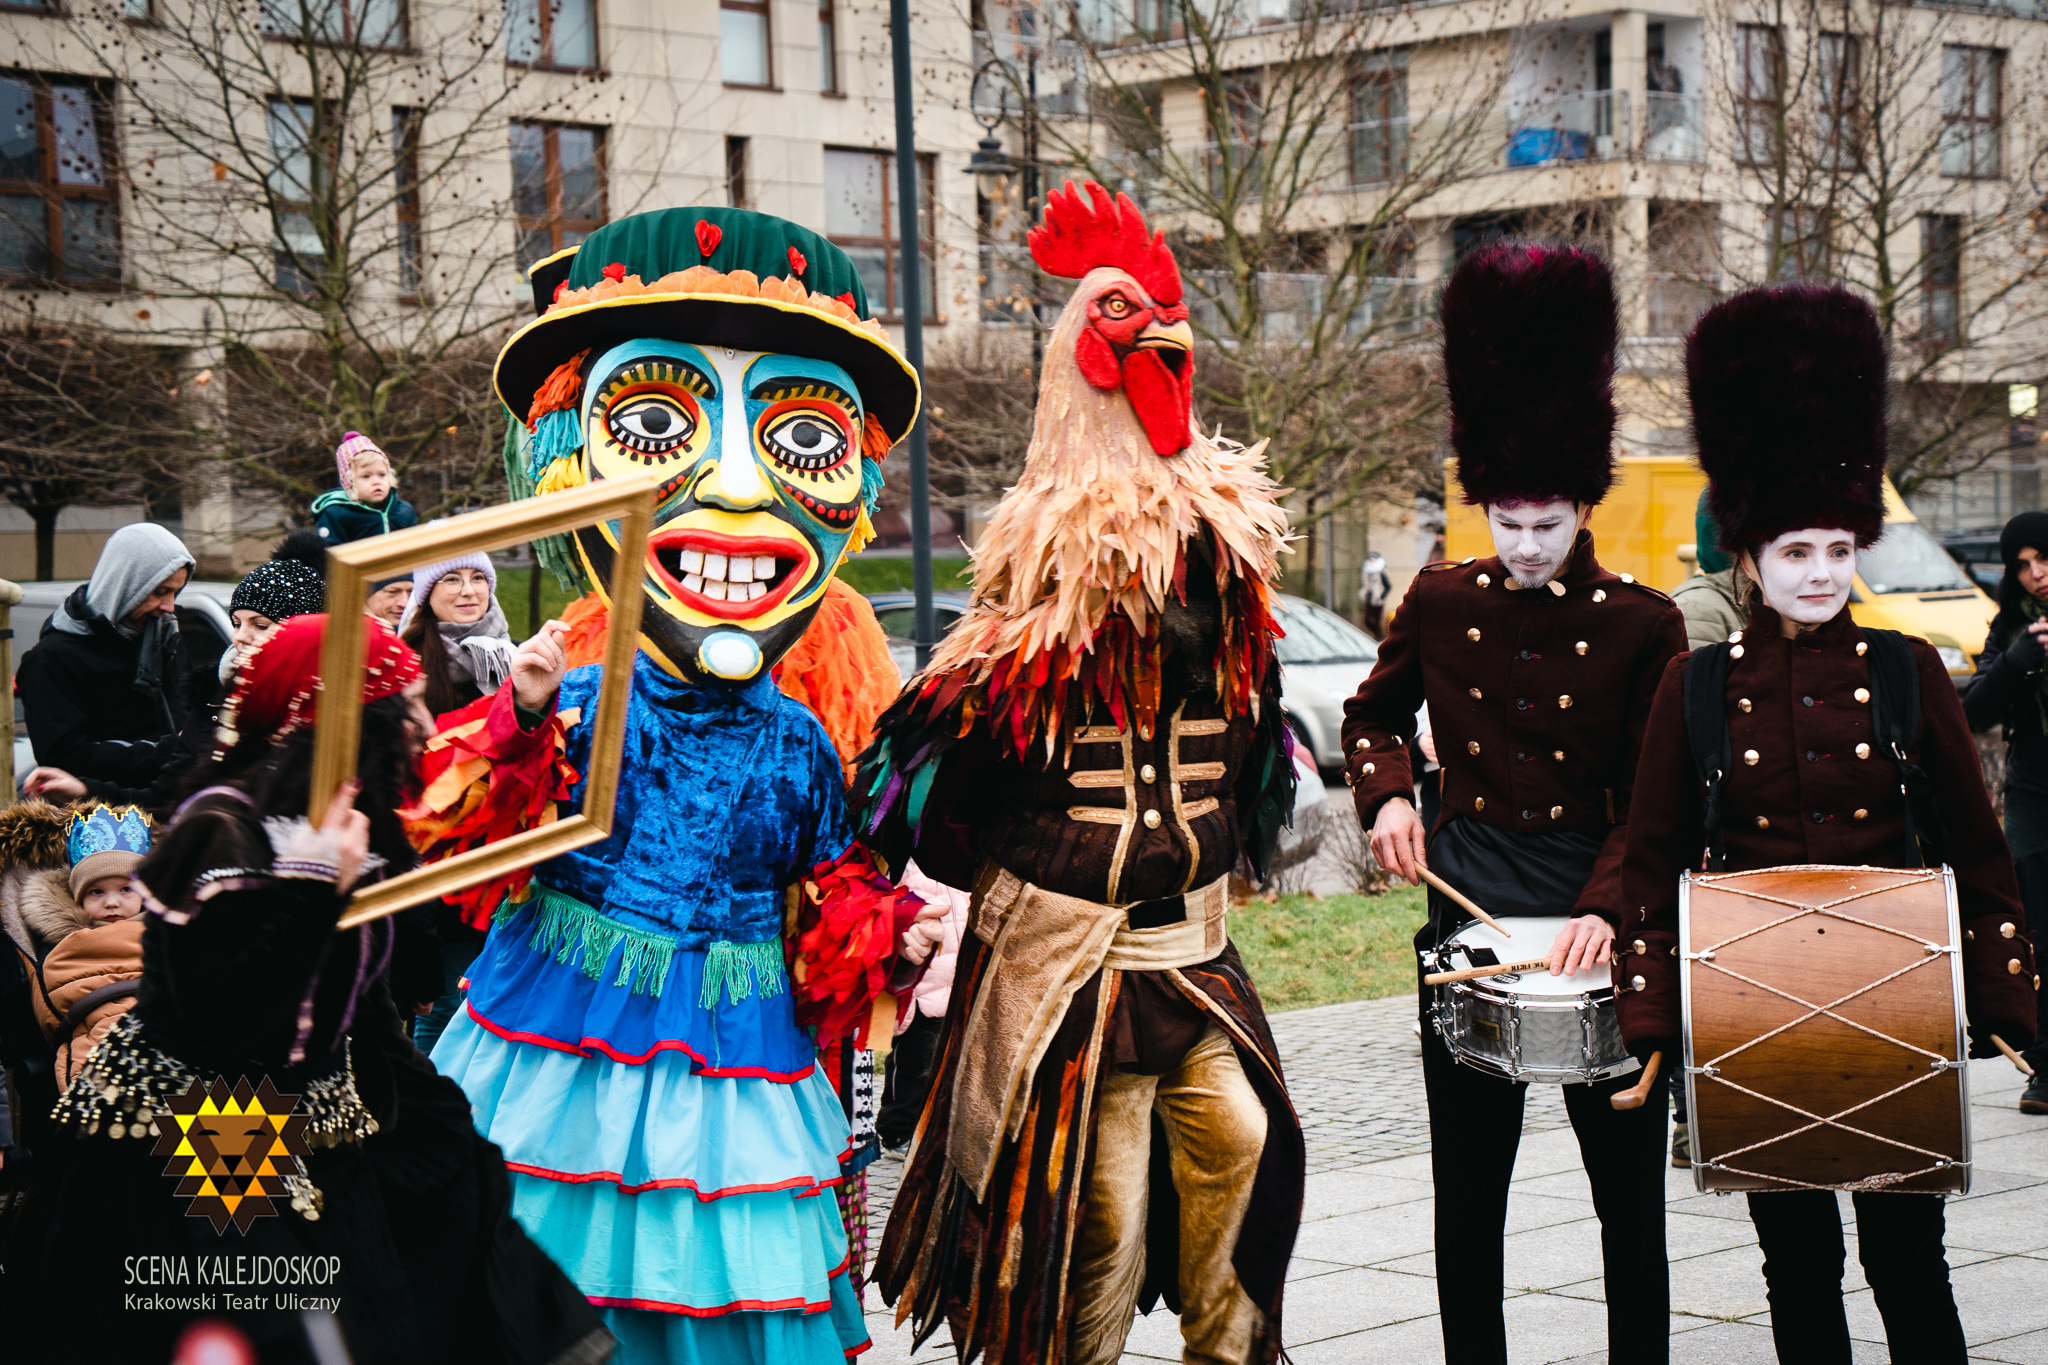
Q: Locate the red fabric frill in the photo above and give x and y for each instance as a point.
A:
(849, 919)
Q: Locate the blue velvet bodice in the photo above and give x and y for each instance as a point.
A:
(726, 796)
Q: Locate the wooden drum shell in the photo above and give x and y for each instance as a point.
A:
(1815, 950)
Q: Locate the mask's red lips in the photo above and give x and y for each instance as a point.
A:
(735, 578)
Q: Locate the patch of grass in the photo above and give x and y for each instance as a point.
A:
(514, 585)
(1305, 950)
(891, 573)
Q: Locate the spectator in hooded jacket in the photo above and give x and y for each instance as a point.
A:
(2011, 690)
(104, 689)
(367, 503)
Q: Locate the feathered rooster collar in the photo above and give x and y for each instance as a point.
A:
(1082, 554)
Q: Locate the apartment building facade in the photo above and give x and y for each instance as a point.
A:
(487, 134)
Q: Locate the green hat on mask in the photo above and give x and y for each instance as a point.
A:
(729, 277)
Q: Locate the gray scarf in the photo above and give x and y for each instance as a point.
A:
(481, 651)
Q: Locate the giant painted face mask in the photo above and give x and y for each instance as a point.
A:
(762, 487)
(727, 353)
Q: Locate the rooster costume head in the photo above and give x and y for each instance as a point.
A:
(1134, 337)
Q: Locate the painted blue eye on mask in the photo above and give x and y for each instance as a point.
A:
(762, 489)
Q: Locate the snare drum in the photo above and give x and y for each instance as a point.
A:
(1532, 1026)
(1824, 1029)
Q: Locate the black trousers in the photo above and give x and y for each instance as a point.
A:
(1475, 1126)
(1898, 1239)
(904, 1090)
(2026, 830)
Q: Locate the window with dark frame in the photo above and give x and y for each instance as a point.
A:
(405, 147)
(1379, 118)
(736, 173)
(559, 35)
(299, 172)
(861, 217)
(1972, 112)
(828, 49)
(1760, 81)
(558, 191)
(1841, 76)
(59, 214)
(743, 43)
(1941, 278)
(360, 23)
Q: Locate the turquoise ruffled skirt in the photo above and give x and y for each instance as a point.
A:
(697, 1212)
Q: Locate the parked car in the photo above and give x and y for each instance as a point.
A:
(897, 611)
(1323, 659)
(202, 619)
(1977, 552)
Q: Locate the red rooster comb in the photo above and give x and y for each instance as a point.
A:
(1078, 236)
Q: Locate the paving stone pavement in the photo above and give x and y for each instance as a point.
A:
(1362, 1285)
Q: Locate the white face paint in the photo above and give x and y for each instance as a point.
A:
(1533, 538)
(1806, 574)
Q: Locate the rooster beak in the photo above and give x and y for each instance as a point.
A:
(1177, 336)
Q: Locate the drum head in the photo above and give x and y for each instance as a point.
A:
(1533, 935)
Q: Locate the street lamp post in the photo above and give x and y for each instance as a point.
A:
(910, 294)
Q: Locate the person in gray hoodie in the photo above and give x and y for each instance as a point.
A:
(104, 689)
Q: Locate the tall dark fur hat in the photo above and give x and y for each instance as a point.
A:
(1788, 399)
(1529, 338)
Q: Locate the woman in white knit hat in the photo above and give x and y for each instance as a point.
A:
(455, 623)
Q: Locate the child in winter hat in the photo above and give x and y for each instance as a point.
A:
(367, 503)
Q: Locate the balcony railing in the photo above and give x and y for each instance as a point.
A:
(1674, 127)
(1594, 126)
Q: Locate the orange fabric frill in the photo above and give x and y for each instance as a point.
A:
(483, 779)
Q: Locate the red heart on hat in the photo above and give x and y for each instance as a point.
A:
(708, 236)
(796, 261)
(615, 271)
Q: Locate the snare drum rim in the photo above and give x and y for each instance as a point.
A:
(1965, 1161)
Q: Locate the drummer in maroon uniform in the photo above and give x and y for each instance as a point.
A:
(1788, 399)
(1539, 667)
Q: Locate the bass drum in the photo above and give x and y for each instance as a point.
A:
(1530, 1026)
(1824, 1029)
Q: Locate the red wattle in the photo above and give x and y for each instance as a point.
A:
(1161, 398)
(1097, 360)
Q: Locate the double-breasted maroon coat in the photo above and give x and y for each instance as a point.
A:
(1810, 784)
(1537, 697)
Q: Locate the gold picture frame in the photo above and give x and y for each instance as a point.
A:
(351, 568)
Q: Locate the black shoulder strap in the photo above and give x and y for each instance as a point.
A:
(1895, 720)
(1706, 730)
(82, 1009)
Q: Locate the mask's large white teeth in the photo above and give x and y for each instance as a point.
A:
(756, 590)
(740, 570)
(694, 582)
(714, 588)
(764, 568)
(714, 566)
(692, 561)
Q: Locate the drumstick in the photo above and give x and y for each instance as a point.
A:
(2012, 1056)
(1633, 1099)
(1440, 884)
(1474, 973)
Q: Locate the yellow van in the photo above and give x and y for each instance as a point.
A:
(1905, 582)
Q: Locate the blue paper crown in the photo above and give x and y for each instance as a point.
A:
(108, 829)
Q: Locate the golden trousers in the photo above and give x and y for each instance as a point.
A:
(1215, 1131)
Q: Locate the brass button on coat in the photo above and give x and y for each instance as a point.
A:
(2013, 966)
(1478, 803)
(1638, 984)
(1564, 703)
(1580, 646)
(1863, 751)
(1628, 578)
(1862, 814)
(1742, 705)
(1599, 594)
(2006, 930)
(1750, 757)
(1471, 746)
(1473, 635)
(1366, 770)
(1363, 744)
(1762, 822)
(1557, 754)
(1151, 819)
(1862, 694)
(1735, 653)
(1485, 582)
(1148, 773)
(1862, 648)
(1557, 812)
(1735, 637)
(1474, 693)
(1556, 588)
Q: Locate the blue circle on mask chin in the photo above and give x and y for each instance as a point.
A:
(729, 654)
